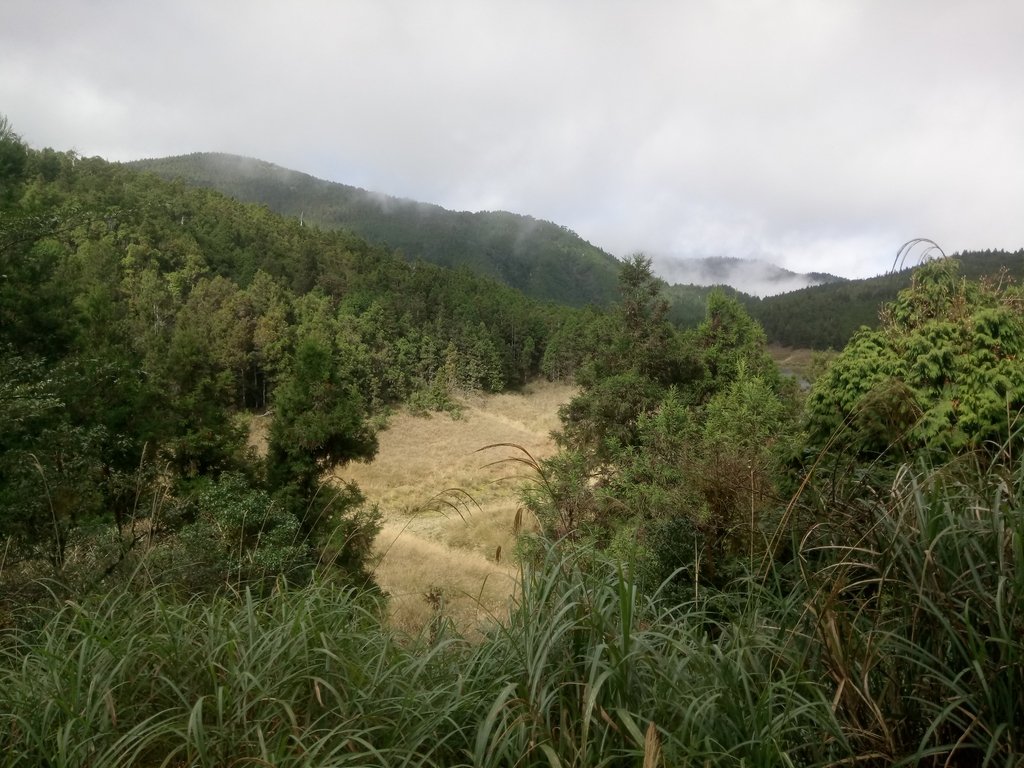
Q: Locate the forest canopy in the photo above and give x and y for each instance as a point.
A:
(142, 321)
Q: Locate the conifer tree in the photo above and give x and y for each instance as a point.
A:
(319, 423)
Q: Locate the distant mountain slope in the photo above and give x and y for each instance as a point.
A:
(543, 260)
(549, 262)
(828, 315)
(688, 303)
(755, 277)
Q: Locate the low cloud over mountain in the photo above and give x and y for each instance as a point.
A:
(757, 278)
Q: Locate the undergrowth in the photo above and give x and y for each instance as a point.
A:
(902, 647)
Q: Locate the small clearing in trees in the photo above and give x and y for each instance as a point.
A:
(446, 512)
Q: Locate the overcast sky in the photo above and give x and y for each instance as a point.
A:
(816, 134)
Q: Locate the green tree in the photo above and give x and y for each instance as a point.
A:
(628, 375)
(942, 374)
(201, 387)
(673, 450)
(645, 340)
(573, 343)
(483, 363)
(700, 481)
(319, 423)
(13, 161)
(30, 406)
(727, 341)
(604, 418)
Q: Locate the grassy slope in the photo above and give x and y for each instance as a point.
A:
(436, 539)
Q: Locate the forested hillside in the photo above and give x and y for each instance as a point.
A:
(541, 259)
(547, 261)
(715, 568)
(140, 320)
(826, 316)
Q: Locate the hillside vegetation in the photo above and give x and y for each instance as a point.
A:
(541, 259)
(549, 262)
(711, 567)
(827, 316)
(142, 320)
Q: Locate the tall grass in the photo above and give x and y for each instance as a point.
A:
(299, 678)
(586, 672)
(599, 674)
(922, 622)
(902, 647)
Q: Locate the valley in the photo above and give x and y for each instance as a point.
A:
(726, 570)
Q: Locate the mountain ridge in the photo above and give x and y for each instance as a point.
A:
(549, 262)
(543, 259)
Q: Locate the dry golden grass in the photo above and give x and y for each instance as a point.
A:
(413, 568)
(442, 541)
(795, 361)
(792, 358)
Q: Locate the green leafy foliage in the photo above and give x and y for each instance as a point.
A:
(572, 345)
(941, 375)
(675, 444)
(319, 423)
(639, 357)
(605, 417)
(63, 463)
(13, 159)
(828, 316)
(239, 536)
(729, 341)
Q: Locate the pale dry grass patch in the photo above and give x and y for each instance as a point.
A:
(258, 437)
(794, 357)
(487, 531)
(440, 541)
(419, 457)
(426, 579)
(795, 361)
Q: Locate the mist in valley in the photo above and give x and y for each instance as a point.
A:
(751, 276)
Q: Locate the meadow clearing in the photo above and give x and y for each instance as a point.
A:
(447, 546)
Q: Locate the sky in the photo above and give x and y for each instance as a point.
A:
(819, 135)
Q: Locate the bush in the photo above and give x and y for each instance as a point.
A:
(921, 623)
(239, 536)
(942, 375)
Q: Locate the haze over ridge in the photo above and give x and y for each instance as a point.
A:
(545, 259)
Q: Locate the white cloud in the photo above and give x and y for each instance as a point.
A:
(818, 135)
